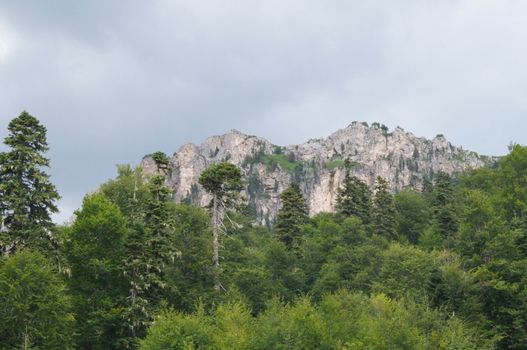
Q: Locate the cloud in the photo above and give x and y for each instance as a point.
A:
(6, 43)
(113, 81)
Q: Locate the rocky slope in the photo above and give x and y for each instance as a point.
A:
(317, 165)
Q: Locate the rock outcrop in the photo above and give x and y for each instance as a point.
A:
(403, 159)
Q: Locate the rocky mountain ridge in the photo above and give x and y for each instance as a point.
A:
(403, 159)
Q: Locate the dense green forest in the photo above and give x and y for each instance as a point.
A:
(445, 268)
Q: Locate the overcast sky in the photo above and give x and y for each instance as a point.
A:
(114, 80)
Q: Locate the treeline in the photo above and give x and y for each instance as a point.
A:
(445, 268)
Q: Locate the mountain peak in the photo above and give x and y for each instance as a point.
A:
(403, 159)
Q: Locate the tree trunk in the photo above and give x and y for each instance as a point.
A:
(216, 243)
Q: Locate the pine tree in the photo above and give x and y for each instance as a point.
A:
(384, 215)
(292, 215)
(224, 182)
(443, 206)
(354, 198)
(27, 197)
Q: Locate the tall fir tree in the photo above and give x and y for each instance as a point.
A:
(27, 196)
(443, 206)
(159, 225)
(384, 214)
(354, 197)
(150, 251)
(291, 216)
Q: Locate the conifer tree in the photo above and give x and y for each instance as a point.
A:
(354, 198)
(27, 196)
(384, 214)
(224, 182)
(443, 206)
(159, 224)
(292, 215)
(141, 276)
(149, 251)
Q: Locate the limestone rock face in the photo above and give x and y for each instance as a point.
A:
(403, 159)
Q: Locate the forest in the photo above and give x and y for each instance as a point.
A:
(444, 268)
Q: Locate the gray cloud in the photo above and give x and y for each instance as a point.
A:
(114, 80)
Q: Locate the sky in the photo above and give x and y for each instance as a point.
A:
(114, 80)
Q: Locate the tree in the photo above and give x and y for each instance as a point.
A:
(95, 252)
(35, 310)
(405, 271)
(384, 215)
(150, 252)
(354, 197)
(291, 216)
(179, 332)
(413, 214)
(512, 180)
(224, 182)
(159, 211)
(190, 280)
(162, 161)
(340, 321)
(27, 197)
(129, 191)
(443, 206)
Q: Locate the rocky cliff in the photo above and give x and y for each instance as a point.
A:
(317, 165)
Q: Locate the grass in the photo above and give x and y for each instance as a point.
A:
(271, 161)
(333, 164)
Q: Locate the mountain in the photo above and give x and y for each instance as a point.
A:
(403, 159)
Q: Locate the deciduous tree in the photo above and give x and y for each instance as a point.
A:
(35, 311)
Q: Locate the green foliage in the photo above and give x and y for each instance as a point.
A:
(334, 164)
(446, 269)
(150, 254)
(443, 206)
(286, 277)
(176, 331)
(272, 161)
(128, 191)
(291, 216)
(161, 159)
(405, 271)
(221, 179)
(354, 198)
(412, 214)
(340, 321)
(512, 183)
(384, 214)
(190, 278)
(35, 310)
(95, 251)
(224, 182)
(27, 196)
